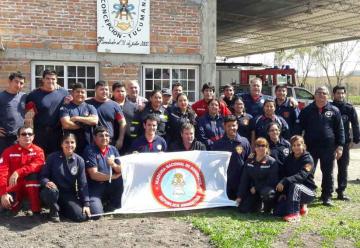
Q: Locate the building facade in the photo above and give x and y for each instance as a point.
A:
(62, 35)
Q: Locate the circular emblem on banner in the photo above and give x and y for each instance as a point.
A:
(178, 184)
(328, 114)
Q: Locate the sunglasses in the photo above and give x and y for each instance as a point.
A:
(26, 134)
(260, 145)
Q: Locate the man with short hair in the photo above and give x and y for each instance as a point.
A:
(12, 109)
(229, 97)
(349, 116)
(108, 112)
(254, 100)
(324, 137)
(46, 102)
(176, 89)
(188, 142)
(149, 141)
(240, 150)
(102, 162)
(286, 109)
(130, 111)
(200, 107)
(79, 117)
(19, 166)
(132, 93)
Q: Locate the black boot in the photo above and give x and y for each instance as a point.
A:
(341, 196)
(54, 215)
(327, 202)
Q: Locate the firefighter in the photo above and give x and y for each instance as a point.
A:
(258, 180)
(19, 166)
(210, 127)
(254, 100)
(279, 147)
(187, 142)
(243, 118)
(349, 116)
(240, 150)
(297, 184)
(324, 137)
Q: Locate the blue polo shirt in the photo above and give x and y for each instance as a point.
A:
(253, 106)
(68, 175)
(12, 109)
(142, 145)
(46, 105)
(84, 110)
(95, 158)
(210, 129)
(109, 112)
(260, 124)
(290, 115)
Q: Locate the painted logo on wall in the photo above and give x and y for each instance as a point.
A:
(178, 184)
(123, 26)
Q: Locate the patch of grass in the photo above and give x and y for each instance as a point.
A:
(355, 100)
(322, 227)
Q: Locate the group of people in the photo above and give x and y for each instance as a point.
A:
(64, 150)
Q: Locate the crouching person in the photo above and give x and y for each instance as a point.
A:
(104, 171)
(64, 185)
(258, 180)
(19, 165)
(297, 185)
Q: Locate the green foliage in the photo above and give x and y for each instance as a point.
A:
(326, 227)
(355, 100)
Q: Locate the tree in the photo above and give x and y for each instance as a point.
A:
(332, 59)
(304, 59)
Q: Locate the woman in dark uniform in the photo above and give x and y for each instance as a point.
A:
(279, 147)
(258, 180)
(297, 185)
(243, 118)
(180, 114)
(64, 184)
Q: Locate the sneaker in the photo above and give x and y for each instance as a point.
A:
(292, 217)
(343, 197)
(54, 216)
(304, 210)
(327, 202)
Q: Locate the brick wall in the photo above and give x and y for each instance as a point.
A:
(113, 73)
(71, 24)
(8, 66)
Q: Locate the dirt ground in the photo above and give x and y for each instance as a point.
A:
(156, 230)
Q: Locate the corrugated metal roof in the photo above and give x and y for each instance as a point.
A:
(247, 27)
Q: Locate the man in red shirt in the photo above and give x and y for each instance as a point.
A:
(19, 164)
(200, 107)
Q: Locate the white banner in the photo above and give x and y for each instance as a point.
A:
(155, 182)
(123, 26)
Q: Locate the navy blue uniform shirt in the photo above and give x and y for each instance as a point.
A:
(290, 115)
(177, 119)
(280, 151)
(252, 106)
(323, 127)
(244, 128)
(142, 145)
(109, 112)
(240, 150)
(178, 146)
(84, 110)
(258, 174)
(210, 129)
(260, 125)
(163, 116)
(12, 109)
(68, 175)
(349, 115)
(95, 158)
(298, 170)
(46, 106)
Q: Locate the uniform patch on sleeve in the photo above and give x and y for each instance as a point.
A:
(308, 167)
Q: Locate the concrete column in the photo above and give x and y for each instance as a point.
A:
(208, 43)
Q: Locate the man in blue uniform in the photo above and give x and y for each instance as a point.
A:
(109, 112)
(286, 109)
(79, 117)
(46, 102)
(12, 109)
(149, 141)
(130, 111)
(324, 136)
(103, 168)
(240, 150)
(349, 116)
(254, 100)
